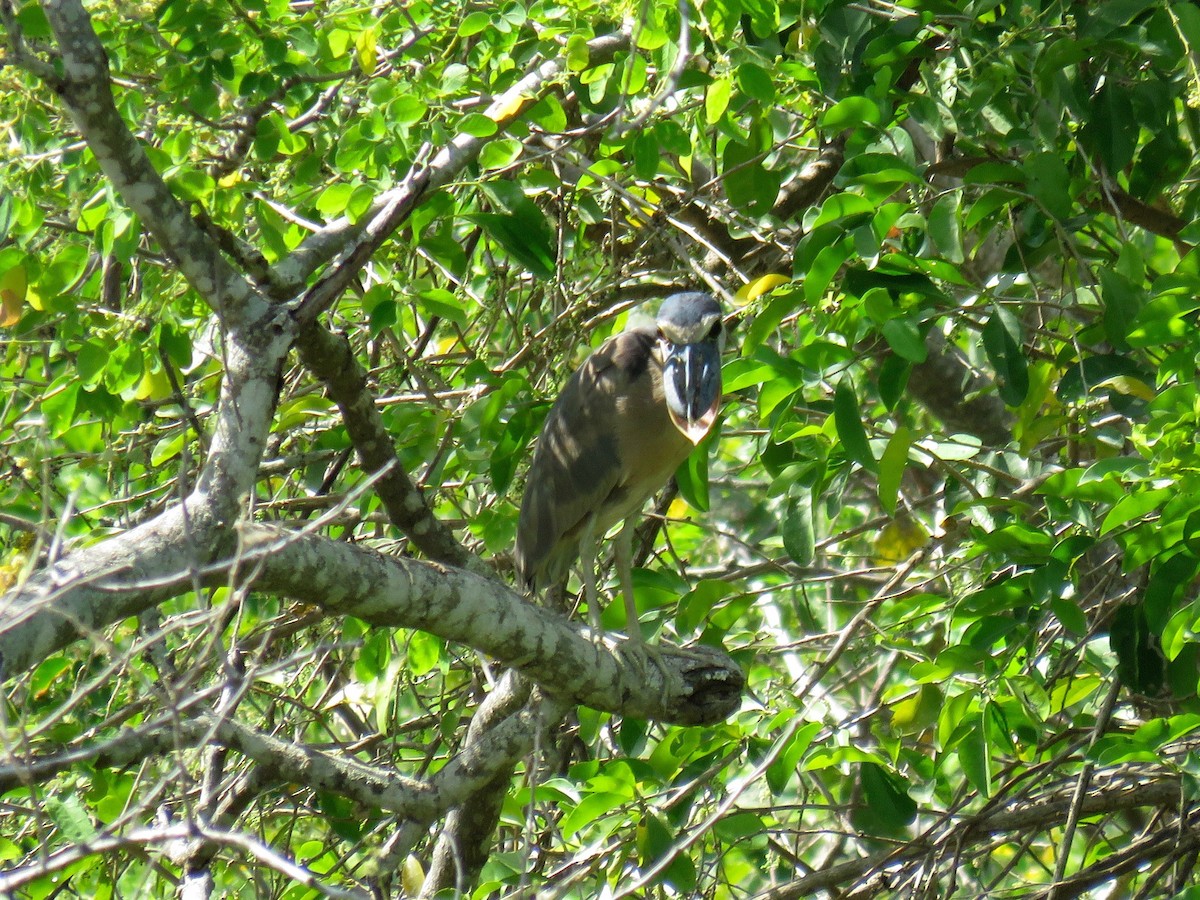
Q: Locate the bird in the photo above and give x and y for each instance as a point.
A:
(623, 423)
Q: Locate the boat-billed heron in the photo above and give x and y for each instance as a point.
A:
(623, 423)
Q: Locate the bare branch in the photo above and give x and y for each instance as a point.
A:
(1041, 814)
(329, 357)
(162, 839)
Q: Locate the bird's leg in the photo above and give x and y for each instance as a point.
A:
(623, 550)
(587, 572)
(643, 655)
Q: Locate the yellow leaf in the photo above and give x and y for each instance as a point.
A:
(412, 876)
(155, 385)
(507, 107)
(1130, 386)
(918, 712)
(367, 50)
(759, 286)
(13, 285)
(899, 539)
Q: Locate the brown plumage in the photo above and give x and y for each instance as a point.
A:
(576, 472)
(614, 436)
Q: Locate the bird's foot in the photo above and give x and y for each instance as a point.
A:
(646, 657)
(671, 664)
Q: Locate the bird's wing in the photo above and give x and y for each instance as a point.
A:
(576, 466)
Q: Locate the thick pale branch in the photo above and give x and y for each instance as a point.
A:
(501, 729)
(253, 358)
(95, 586)
(125, 575)
(494, 744)
(460, 606)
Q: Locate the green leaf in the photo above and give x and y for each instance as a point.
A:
(847, 418)
(478, 125)
(1003, 349)
(851, 112)
(591, 808)
(90, 362)
(58, 406)
(893, 379)
(697, 605)
(47, 673)
(531, 249)
(441, 302)
(578, 53)
(756, 81)
(783, 304)
(889, 808)
(748, 184)
(716, 99)
(645, 155)
(1071, 616)
(1134, 506)
(904, 336)
(1049, 181)
(167, 448)
(974, 754)
(837, 207)
(1123, 301)
(994, 173)
(787, 763)
(474, 23)
(1111, 129)
(943, 228)
(824, 268)
(549, 115)
(891, 468)
(798, 531)
(1069, 691)
(424, 652)
(500, 153)
(692, 476)
(332, 201)
(72, 819)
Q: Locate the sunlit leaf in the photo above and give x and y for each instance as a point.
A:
(13, 283)
(899, 539)
(891, 468)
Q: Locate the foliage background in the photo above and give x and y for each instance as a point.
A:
(949, 530)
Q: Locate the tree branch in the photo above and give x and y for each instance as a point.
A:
(1040, 814)
(330, 359)
(392, 208)
(86, 92)
(121, 578)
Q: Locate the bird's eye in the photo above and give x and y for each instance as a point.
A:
(716, 330)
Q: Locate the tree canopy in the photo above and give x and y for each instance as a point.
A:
(287, 288)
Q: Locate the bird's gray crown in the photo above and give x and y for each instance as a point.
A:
(688, 318)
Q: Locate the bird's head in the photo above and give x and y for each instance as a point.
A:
(691, 337)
